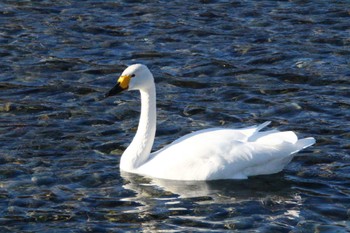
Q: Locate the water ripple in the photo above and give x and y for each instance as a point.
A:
(216, 63)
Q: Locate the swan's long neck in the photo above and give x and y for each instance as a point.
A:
(140, 148)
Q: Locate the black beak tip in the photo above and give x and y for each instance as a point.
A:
(106, 95)
(115, 90)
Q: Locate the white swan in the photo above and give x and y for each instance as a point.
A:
(209, 154)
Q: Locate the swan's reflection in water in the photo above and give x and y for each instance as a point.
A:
(270, 197)
(239, 189)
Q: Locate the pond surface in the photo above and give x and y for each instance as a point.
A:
(216, 63)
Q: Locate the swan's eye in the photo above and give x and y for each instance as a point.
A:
(133, 75)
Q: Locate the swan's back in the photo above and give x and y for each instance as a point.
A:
(225, 154)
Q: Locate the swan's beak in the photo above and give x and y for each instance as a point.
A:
(122, 84)
(115, 90)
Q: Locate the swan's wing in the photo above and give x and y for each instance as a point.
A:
(269, 153)
(234, 134)
(224, 154)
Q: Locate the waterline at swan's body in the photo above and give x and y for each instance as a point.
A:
(208, 154)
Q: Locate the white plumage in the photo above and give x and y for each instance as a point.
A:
(208, 154)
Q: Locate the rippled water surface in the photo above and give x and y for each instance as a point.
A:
(216, 63)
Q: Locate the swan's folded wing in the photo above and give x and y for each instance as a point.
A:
(223, 154)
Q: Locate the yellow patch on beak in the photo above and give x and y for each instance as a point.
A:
(124, 81)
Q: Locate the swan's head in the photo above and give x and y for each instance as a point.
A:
(135, 77)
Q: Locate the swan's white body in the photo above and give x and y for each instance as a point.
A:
(208, 154)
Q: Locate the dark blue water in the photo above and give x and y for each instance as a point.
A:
(216, 63)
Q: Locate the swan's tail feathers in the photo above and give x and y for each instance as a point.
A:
(304, 143)
(263, 125)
